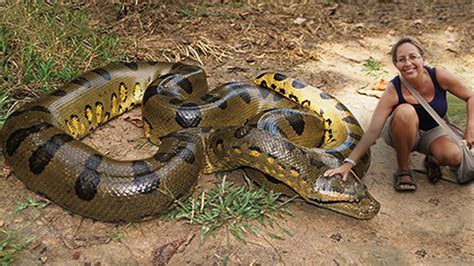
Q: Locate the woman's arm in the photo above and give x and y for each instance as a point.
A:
(385, 105)
(452, 84)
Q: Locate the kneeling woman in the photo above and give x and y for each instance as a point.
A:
(406, 126)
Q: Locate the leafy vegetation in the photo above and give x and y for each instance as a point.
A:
(10, 245)
(373, 67)
(44, 44)
(234, 207)
(31, 202)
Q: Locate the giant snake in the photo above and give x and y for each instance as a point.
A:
(285, 132)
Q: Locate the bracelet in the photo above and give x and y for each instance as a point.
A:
(349, 160)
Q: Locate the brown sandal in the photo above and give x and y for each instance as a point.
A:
(433, 169)
(399, 182)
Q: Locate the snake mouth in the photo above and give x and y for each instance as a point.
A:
(363, 209)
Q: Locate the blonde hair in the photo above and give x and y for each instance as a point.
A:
(406, 39)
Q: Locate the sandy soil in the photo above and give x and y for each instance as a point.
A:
(432, 226)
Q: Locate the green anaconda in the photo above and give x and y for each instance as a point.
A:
(284, 131)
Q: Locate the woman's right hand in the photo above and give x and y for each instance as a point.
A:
(342, 170)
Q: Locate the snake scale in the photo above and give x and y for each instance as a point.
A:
(284, 132)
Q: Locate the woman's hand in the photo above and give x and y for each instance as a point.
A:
(342, 170)
(469, 137)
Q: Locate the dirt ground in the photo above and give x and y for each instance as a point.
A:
(324, 44)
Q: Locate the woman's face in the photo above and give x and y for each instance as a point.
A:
(409, 61)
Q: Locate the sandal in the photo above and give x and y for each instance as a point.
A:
(399, 182)
(433, 169)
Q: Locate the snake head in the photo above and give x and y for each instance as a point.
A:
(349, 197)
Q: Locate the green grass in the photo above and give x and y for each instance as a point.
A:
(31, 202)
(43, 45)
(10, 245)
(457, 110)
(373, 67)
(240, 209)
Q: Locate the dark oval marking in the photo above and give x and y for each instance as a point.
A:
(325, 96)
(298, 84)
(144, 179)
(350, 119)
(279, 77)
(163, 157)
(103, 73)
(187, 155)
(149, 92)
(296, 121)
(36, 108)
(82, 82)
(86, 184)
(43, 155)
(355, 136)
(18, 136)
(186, 85)
(58, 93)
(188, 115)
(264, 93)
(245, 96)
(133, 66)
(341, 107)
(277, 97)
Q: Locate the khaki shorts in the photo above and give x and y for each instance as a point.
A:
(423, 138)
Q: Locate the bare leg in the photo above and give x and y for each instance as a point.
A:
(404, 129)
(445, 151)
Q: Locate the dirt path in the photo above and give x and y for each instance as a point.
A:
(432, 226)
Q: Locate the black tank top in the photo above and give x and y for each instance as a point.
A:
(439, 102)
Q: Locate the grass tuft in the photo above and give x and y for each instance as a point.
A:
(43, 44)
(234, 207)
(31, 202)
(374, 68)
(10, 245)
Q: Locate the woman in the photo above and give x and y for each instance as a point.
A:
(406, 126)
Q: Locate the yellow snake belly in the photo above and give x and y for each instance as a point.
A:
(198, 131)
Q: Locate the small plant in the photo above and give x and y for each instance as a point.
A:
(10, 245)
(373, 67)
(116, 236)
(187, 13)
(120, 232)
(5, 111)
(234, 207)
(31, 202)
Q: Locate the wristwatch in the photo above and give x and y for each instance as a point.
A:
(348, 160)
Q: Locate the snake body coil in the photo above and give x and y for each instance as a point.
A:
(235, 125)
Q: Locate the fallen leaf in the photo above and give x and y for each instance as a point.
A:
(299, 21)
(163, 254)
(2, 223)
(380, 85)
(76, 255)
